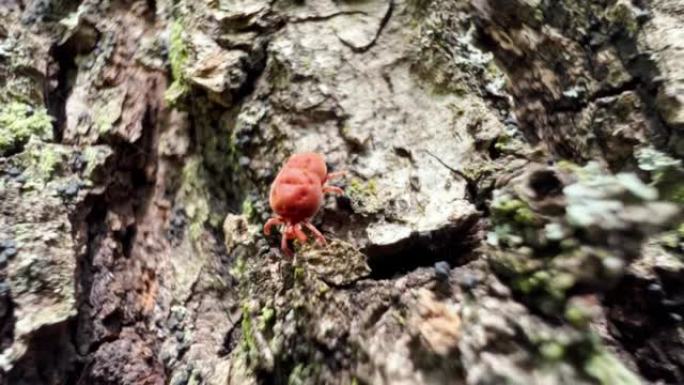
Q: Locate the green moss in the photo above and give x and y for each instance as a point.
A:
(194, 195)
(508, 144)
(47, 161)
(559, 284)
(568, 166)
(524, 215)
(670, 184)
(41, 162)
(584, 350)
(539, 280)
(248, 343)
(532, 283)
(178, 57)
(673, 240)
(622, 16)
(303, 374)
(267, 317)
(239, 268)
(607, 370)
(20, 121)
(175, 92)
(178, 53)
(363, 195)
(299, 273)
(107, 109)
(577, 316)
(669, 240)
(359, 188)
(506, 206)
(521, 258)
(545, 255)
(323, 288)
(552, 350)
(506, 209)
(677, 194)
(478, 170)
(95, 156)
(548, 286)
(667, 173)
(248, 209)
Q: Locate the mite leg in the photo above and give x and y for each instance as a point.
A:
(275, 221)
(333, 189)
(319, 237)
(283, 244)
(334, 175)
(299, 233)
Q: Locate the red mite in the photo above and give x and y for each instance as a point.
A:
(297, 194)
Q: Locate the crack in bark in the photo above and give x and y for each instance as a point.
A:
(631, 85)
(454, 243)
(315, 18)
(383, 24)
(471, 184)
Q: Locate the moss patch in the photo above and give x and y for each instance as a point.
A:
(667, 173)
(608, 370)
(546, 248)
(178, 57)
(247, 343)
(303, 375)
(364, 195)
(195, 197)
(20, 121)
(42, 162)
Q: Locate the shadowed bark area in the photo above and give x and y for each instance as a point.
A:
(512, 210)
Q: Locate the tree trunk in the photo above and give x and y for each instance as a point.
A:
(512, 207)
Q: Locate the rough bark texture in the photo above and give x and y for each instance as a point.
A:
(513, 193)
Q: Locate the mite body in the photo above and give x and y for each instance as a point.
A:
(297, 195)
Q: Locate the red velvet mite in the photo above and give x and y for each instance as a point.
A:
(297, 194)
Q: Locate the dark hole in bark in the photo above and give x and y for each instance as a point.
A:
(128, 240)
(49, 356)
(152, 9)
(545, 183)
(7, 324)
(453, 244)
(643, 315)
(113, 321)
(494, 153)
(57, 96)
(230, 341)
